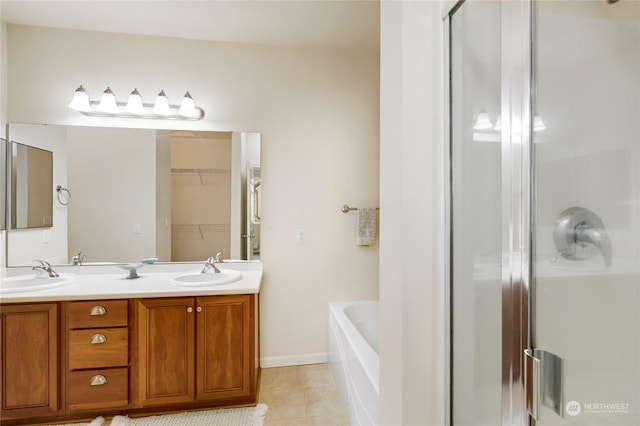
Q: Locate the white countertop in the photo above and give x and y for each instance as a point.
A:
(110, 282)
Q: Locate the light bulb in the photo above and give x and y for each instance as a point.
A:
(80, 101)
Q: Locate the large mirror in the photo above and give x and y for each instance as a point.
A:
(3, 184)
(121, 195)
(31, 187)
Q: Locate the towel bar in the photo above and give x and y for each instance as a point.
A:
(346, 208)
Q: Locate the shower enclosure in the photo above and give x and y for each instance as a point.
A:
(544, 212)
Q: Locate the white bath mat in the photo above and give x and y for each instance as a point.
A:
(247, 416)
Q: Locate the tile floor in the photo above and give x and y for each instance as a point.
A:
(304, 395)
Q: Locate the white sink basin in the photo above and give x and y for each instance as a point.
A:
(197, 279)
(25, 283)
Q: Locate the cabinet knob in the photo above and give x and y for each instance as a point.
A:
(97, 311)
(189, 309)
(98, 339)
(199, 309)
(98, 380)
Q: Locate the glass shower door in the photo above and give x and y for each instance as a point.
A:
(475, 220)
(586, 210)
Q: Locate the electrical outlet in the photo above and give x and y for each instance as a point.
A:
(299, 235)
(137, 229)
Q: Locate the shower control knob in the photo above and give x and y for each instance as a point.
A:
(579, 234)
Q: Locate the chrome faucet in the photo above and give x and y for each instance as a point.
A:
(44, 270)
(78, 258)
(210, 263)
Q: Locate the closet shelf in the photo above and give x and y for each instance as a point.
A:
(209, 171)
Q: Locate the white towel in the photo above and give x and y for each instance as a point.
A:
(366, 235)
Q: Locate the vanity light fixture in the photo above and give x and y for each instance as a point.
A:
(108, 106)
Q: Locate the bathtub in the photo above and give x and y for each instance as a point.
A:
(354, 359)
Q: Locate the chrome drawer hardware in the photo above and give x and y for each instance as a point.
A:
(98, 339)
(98, 380)
(543, 381)
(97, 311)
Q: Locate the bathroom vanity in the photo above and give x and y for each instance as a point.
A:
(106, 345)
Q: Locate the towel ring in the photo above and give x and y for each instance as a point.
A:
(64, 196)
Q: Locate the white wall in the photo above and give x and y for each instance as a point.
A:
(411, 196)
(317, 111)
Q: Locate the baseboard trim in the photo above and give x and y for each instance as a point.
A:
(286, 361)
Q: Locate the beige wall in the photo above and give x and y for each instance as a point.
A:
(412, 323)
(101, 197)
(318, 114)
(3, 121)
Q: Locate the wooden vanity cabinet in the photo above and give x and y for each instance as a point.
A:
(29, 372)
(193, 350)
(97, 356)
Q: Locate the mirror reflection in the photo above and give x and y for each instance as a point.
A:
(139, 193)
(3, 183)
(31, 187)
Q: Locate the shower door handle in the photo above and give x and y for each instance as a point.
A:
(543, 381)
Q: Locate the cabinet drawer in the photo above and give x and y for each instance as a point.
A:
(98, 348)
(99, 313)
(98, 389)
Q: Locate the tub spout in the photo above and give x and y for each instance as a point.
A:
(597, 237)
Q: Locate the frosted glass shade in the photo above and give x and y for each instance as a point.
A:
(161, 106)
(538, 124)
(188, 107)
(498, 125)
(108, 102)
(483, 122)
(134, 105)
(80, 101)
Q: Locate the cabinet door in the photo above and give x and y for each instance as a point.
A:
(29, 370)
(223, 325)
(165, 350)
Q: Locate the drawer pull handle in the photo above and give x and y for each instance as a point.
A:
(98, 380)
(189, 309)
(97, 311)
(98, 339)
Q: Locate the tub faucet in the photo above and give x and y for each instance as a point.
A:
(44, 270)
(77, 259)
(210, 263)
